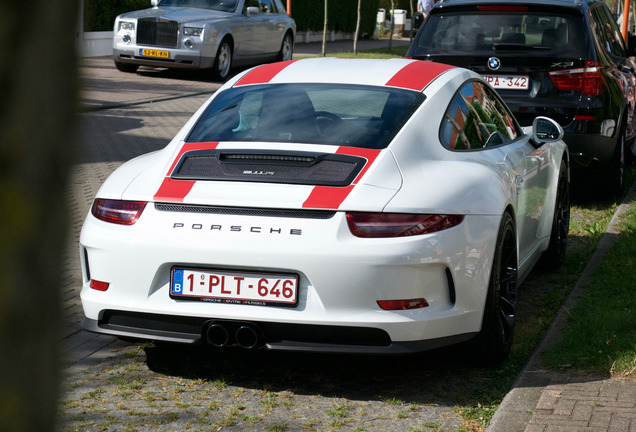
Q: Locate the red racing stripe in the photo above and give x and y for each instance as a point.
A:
(331, 197)
(176, 190)
(263, 74)
(418, 74)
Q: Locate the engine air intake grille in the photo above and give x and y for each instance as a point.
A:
(240, 211)
(157, 32)
(269, 167)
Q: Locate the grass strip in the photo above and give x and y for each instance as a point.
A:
(600, 336)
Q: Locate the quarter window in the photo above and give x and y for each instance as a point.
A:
(476, 119)
(607, 32)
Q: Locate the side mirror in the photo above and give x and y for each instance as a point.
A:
(546, 130)
(154, 3)
(252, 10)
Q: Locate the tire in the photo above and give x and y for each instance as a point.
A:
(287, 48)
(494, 341)
(223, 61)
(126, 67)
(554, 256)
(615, 174)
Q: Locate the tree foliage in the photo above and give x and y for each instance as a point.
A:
(99, 15)
(342, 15)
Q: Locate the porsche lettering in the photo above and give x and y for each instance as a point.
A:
(237, 228)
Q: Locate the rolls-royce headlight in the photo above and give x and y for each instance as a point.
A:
(192, 31)
(126, 25)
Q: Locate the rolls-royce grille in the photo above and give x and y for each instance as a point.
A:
(157, 32)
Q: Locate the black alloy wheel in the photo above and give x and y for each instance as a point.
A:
(616, 170)
(554, 256)
(497, 329)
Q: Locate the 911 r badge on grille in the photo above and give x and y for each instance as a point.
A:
(260, 173)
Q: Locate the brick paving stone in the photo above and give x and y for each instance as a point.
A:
(582, 410)
(549, 399)
(564, 407)
(600, 420)
(619, 423)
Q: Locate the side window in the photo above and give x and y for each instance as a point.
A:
(250, 3)
(607, 31)
(266, 6)
(280, 7)
(476, 119)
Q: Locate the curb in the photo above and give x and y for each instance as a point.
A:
(515, 411)
(113, 105)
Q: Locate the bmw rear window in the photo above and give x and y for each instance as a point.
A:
(493, 31)
(351, 115)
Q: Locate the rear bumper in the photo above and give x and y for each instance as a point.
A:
(590, 151)
(275, 336)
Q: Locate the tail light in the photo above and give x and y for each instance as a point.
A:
(589, 80)
(118, 211)
(417, 303)
(398, 224)
(503, 8)
(99, 285)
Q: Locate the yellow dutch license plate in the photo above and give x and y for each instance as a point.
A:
(154, 53)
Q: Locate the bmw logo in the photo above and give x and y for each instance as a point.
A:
(494, 63)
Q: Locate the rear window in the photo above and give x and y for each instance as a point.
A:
(496, 31)
(351, 115)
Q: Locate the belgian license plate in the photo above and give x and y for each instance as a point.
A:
(234, 287)
(509, 82)
(154, 53)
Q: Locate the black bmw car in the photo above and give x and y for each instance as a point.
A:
(565, 59)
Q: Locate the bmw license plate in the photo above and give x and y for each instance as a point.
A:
(508, 82)
(234, 287)
(154, 53)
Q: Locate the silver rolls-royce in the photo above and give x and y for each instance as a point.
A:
(203, 34)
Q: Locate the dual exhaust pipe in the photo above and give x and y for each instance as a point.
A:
(228, 333)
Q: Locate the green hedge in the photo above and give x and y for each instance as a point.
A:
(99, 15)
(342, 15)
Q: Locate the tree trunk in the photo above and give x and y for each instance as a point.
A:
(392, 25)
(357, 35)
(37, 113)
(324, 33)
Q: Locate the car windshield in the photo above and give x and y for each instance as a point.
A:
(491, 32)
(220, 5)
(351, 115)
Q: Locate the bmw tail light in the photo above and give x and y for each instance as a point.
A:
(398, 224)
(118, 211)
(589, 80)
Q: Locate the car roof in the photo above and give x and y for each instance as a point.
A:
(396, 72)
(572, 4)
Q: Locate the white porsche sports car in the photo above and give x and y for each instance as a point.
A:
(370, 206)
